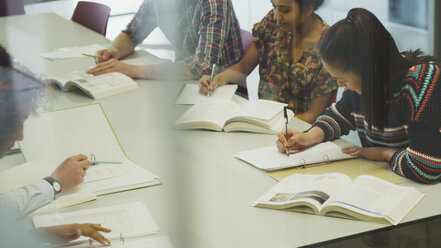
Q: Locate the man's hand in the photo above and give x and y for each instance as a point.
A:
(71, 172)
(107, 54)
(66, 233)
(114, 65)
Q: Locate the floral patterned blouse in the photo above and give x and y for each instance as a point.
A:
(297, 84)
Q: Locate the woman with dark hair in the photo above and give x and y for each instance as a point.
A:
(286, 48)
(393, 100)
(19, 93)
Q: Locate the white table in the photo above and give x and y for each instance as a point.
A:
(205, 197)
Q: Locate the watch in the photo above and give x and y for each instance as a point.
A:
(55, 184)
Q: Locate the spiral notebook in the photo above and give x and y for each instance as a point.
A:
(130, 220)
(270, 159)
(60, 134)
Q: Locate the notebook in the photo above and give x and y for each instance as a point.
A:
(85, 130)
(35, 170)
(190, 94)
(72, 52)
(259, 116)
(129, 220)
(269, 158)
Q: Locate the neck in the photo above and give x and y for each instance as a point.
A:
(305, 28)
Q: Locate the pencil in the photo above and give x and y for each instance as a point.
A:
(93, 56)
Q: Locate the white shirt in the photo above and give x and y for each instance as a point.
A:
(24, 200)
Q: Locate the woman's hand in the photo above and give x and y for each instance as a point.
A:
(293, 140)
(371, 153)
(65, 233)
(206, 86)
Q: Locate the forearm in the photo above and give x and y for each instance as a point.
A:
(123, 44)
(314, 136)
(178, 70)
(23, 200)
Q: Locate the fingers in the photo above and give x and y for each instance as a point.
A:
(282, 138)
(204, 83)
(104, 67)
(281, 147)
(93, 231)
(353, 151)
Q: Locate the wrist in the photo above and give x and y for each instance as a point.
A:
(388, 153)
(56, 185)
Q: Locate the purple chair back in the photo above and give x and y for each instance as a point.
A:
(92, 15)
(11, 7)
(247, 39)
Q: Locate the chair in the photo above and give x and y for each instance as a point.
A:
(92, 15)
(247, 39)
(11, 7)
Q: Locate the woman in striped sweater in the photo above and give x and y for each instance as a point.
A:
(392, 100)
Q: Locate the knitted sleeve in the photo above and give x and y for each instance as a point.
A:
(421, 161)
(337, 120)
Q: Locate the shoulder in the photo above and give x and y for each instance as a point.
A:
(421, 77)
(268, 23)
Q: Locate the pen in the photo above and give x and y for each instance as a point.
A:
(92, 56)
(94, 162)
(285, 114)
(211, 77)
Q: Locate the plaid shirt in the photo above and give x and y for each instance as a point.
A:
(202, 32)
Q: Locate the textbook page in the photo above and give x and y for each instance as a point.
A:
(269, 158)
(190, 94)
(156, 242)
(72, 52)
(313, 189)
(211, 114)
(260, 109)
(123, 177)
(96, 86)
(60, 134)
(126, 220)
(372, 196)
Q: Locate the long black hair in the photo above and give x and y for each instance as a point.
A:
(362, 45)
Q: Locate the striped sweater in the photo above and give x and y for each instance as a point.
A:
(413, 125)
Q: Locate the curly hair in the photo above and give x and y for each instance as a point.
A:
(19, 93)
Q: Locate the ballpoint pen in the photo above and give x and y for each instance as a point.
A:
(95, 162)
(211, 77)
(285, 114)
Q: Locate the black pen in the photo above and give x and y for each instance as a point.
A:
(285, 114)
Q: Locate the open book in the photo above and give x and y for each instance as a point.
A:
(85, 130)
(190, 94)
(366, 198)
(259, 116)
(126, 221)
(269, 158)
(35, 170)
(95, 86)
